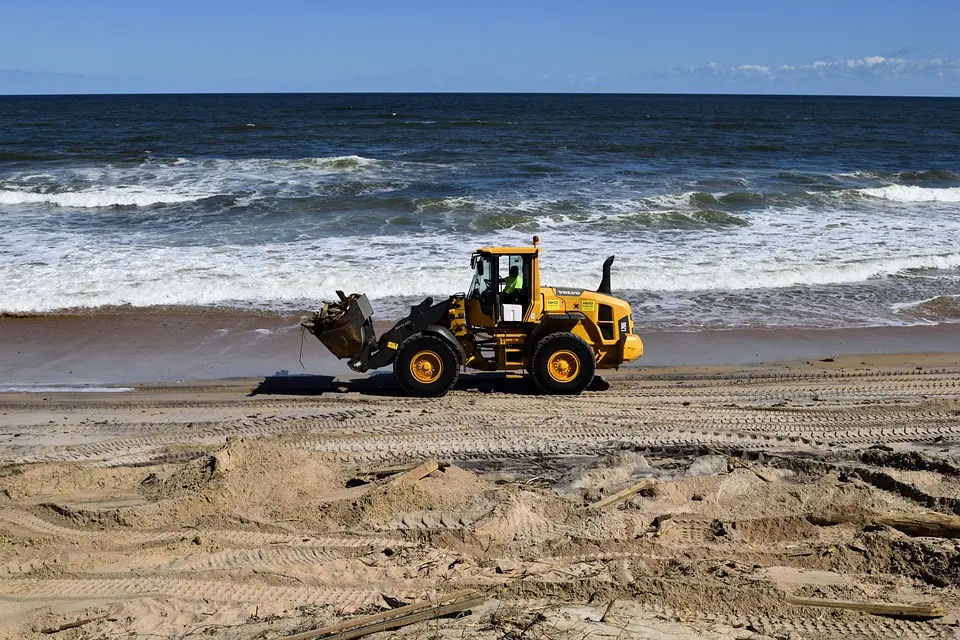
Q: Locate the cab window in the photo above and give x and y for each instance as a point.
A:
(507, 263)
(483, 268)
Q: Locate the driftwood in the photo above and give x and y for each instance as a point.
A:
(330, 313)
(935, 525)
(395, 618)
(73, 625)
(620, 495)
(876, 608)
(383, 472)
(923, 524)
(737, 463)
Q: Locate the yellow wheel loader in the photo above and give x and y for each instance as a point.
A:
(506, 321)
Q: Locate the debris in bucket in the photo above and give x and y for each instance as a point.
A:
(329, 313)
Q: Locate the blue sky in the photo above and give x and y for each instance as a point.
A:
(814, 47)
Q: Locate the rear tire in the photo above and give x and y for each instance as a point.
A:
(563, 363)
(426, 366)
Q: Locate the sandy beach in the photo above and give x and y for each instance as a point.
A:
(225, 496)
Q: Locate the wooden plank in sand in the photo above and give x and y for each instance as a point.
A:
(936, 525)
(620, 495)
(73, 625)
(382, 472)
(395, 618)
(419, 472)
(876, 608)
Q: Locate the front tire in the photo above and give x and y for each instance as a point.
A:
(563, 363)
(426, 366)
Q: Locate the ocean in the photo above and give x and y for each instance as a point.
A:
(723, 211)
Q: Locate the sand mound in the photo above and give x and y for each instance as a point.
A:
(246, 472)
(40, 482)
(607, 471)
(742, 494)
(612, 472)
(258, 480)
(611, 524)
(375, 506)
(525, 516)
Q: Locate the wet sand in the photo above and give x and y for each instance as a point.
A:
(170, 345)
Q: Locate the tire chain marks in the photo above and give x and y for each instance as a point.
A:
(778, 411)
(97, 588)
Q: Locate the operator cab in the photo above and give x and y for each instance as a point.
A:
(500, 291)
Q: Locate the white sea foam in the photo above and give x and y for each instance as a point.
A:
(109, 197)
(344, 162)
(664, 242)
(753, 274)
(937, 306)
(444, 205)
(909, 193)
(678, 200)
(117, 271)
(338, 164)
(859, 175)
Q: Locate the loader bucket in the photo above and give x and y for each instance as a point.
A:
(346, 334)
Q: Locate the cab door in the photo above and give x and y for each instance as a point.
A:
(482, 297)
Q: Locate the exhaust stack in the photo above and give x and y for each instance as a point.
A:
(605, 281)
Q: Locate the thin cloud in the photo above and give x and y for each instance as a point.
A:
(753, 68)
(876, 66)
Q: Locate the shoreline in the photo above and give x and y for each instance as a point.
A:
(157, 346)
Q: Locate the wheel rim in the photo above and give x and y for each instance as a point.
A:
(563, 366)
(426, 367)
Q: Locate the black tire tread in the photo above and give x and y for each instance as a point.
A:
(401, 365)
(553, 342)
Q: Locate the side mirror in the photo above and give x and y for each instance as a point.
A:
(480, 267)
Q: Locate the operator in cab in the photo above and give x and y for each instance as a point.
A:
(513, 286)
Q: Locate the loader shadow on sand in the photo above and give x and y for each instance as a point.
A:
(384, 384)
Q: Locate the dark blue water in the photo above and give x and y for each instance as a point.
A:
(722, 210)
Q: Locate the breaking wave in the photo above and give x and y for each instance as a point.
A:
(929, 175)
(111, 197)
(935, 309)
(911, 193)
(297, 274)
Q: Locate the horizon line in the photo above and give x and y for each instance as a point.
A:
(475, 93)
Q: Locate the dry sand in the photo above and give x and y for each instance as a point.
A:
(245, 508)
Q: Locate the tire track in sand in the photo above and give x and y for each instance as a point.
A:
(20, 589)
(246, 539)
